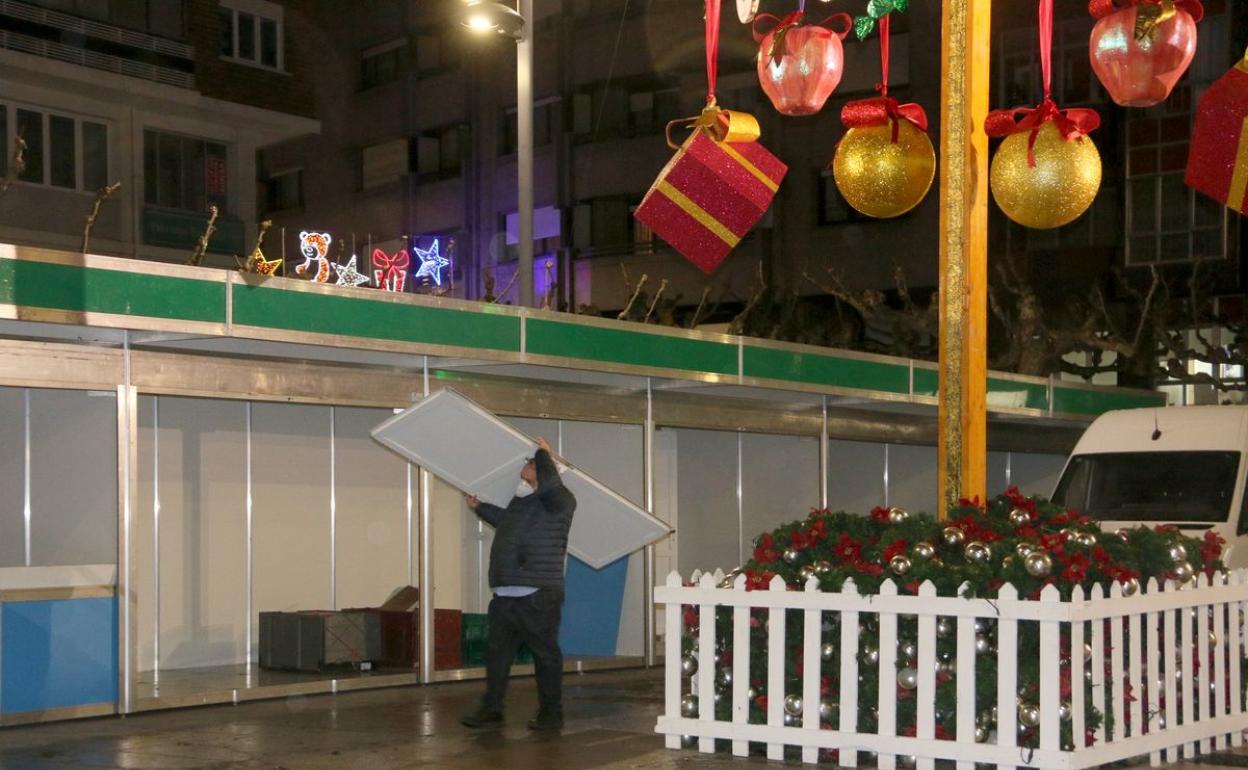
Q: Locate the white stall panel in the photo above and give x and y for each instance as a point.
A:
(12, 477)
(197, 465)
(371, 504)
(706, 500)
(73, 477)
(454, 526)
(1036, 474)
(995, 476)
(290, 492)
(779, 481)
(912, 478)
(855, 476)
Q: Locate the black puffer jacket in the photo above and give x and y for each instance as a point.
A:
(531, 533)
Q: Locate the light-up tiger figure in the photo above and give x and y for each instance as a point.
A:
(315, 248)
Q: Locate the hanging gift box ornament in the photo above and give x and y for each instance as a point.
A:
(1140, 48)
(1217, 162)
(1047, 171)
(800, 65)
(885, 164)
(719, 183)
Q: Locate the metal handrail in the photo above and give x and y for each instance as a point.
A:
(95, 29)
(100, 61)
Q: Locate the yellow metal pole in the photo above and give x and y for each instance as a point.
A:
(963, 250)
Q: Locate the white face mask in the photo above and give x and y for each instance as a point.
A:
(523, 489)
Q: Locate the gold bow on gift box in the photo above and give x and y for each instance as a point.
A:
(720, 125)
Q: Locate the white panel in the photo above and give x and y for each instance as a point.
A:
(912, 478)
(487, 462)
(371, 486)
(995, 480)
(855, 476)
(143, 540)
(290, 507)
(12, 477)
(453, 524)
(707, 500)
(780, 481)
(202, 466)
(73, 491)
(1035, 474)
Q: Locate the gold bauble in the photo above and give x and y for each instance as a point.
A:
(1066, 178)
(882, 178)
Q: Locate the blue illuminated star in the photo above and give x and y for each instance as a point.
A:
(431, 263)
(348, 275)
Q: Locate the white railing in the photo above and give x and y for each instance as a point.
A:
(1132, 640)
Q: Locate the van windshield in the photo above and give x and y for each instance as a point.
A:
(1150, 486)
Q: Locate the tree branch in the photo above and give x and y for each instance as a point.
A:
(101, 195)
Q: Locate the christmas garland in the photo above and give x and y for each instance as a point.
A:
(1025, 541)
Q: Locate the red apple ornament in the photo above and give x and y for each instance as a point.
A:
(1140, 51)
(800, 65)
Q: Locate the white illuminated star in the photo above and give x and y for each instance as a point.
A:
(348, 275)
(431, 263)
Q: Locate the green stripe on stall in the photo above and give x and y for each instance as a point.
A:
(822, 369)
(303, 311)
(630, 347)
(1095, 402)
(76, 288)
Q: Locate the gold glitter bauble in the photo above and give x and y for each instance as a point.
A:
(881, 178)
(1058, 190)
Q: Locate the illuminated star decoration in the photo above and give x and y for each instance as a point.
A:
(431, 263)
(348, 275)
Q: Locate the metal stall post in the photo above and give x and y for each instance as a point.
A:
(127, 460)
(647, 572)
(247, 546)
(426, 565)
(823, 457)
(156, 539)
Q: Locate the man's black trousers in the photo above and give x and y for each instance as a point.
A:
(534, 620)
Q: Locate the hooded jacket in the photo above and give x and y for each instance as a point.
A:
(531, 533)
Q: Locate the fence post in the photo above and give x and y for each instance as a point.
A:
(887, 699)
(1219, 660)
(1170, 658)
(1233, 641)
(1098, 663)
(1153, 653)
(968, 709)
(775, 669)
(1078, 664)
(673, 631)
(740, 667)
(1188, 680)
(1007, 671)
(1204, 662)
(1050, 676)
(1135, 672)
(812, 670)
(849, 675)
(706, 659)
(925, 726)
(1117, 672)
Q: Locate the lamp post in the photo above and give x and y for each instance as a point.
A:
(489, 16)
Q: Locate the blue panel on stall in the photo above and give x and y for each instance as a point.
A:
(591, 608)
(58, 654)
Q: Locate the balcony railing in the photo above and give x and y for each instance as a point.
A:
(100, 61)
(47, 18)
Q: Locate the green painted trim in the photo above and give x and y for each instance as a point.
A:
(629, 346)
(1095, 402)
(926, 382)
(303, 311)
(826, 369)
(55, 286)
(1037, 392)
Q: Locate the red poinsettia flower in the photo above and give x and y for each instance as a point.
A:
(868, 568)
(913, 587)
(971, 502)
(1211, 548)
(1076, 567)
(1019, 500)
(691, 618)
(1028, 532)
(1052, 541)
(847, 549)
(880, 514)
(897, 548)
(799, 540)
(765, 551)
(1101, 556)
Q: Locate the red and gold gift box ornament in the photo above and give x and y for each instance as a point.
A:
(885, 163)
(1140, 48)
(1217, 163)
(719, 183)
(1047, 172)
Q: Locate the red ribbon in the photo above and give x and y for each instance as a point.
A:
(390, 267)
(880, 110)
(1102, 8)
(1072, 123)
(780, 27)
(712, 48)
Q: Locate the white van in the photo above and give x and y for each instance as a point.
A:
(1182, 465)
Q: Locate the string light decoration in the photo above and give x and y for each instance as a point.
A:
(315, 248)
(432, 263)
(390, 271)
(348, 275)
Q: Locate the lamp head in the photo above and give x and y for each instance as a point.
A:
(492, 16)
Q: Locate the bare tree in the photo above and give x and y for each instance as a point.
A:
(201, 246)
(17, 164)
(101, 195)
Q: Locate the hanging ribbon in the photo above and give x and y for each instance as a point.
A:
(883, 109)
(779, 30)
(1102, 8)
(712, 48)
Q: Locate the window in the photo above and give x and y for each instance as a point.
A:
(436, 154)
(607, 224)
(382, 64)
(833, 209)
(158, 17)
(251, 32)
(285, 191)
(1186, 486)
(61, 150)
(181, 172)
(623, 111)
(545, 116)
(434, 54)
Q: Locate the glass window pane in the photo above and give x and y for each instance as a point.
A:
(1207, 244)
(215, 175)
(1175, 247)
(193, 175)
(449, 150)
(168, 185)
(1142, 251)
(1176, 202)
(131, 13)
(165, 19)
(30, 128)
(268, 42)
(1143, 205)
(94, 156)
(61, 151)
(5, 150)
(1209, 213)
(151, 168)
(226, 18)
(246, 36)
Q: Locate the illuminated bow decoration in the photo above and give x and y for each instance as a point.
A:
(390, 272)
(779, 30)
(721, 125)
(1151, 14)
(880, 110)
(1072, 123)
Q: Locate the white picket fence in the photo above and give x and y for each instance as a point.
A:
(1160, 618)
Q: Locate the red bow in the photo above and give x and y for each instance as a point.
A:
(780, 27)
(391, 268)
(1072, 123)
(1102, 8)
(880, 110)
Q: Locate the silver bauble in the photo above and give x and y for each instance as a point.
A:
(688, 665)
(1213, 638)
(953, 536)
(1019, 517)
(906, 761)
(792, 721)
(981, 733)
(908, 678)
(822, 567)
(827, 710)
(827, 651)
(793, 705)
(943, 627)
(983, 645)
(1087, 651)
(806, 572)
(1178, 553)
(1022, 549)
(689, 706)
(977, 552)
(1183, 572)
(946, 667)
(790, 556)
(1123, 533)
(898, 515)
(871, 655)
(1087, 539)
(924, 550)
(1130, 587)
(1007, 562)
(1029, 715)
(1038, 564)
(719, 697)
(688, 741)
(908, 649)
(724, 677)
(1064, 711)
(752, 693)
(900, 565)
(982, 626)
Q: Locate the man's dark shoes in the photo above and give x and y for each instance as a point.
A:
(547, 719)
(483, 717)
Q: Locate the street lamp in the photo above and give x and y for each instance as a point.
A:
(484, 16)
